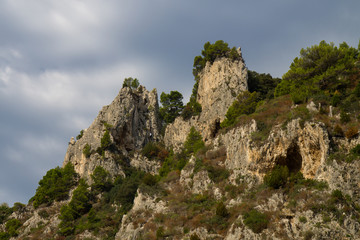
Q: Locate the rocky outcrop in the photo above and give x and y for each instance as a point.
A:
(299, 148)
(219, 85)
(143, 204)
(131, 120)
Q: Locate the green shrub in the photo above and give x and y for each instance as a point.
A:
(4, 236)
(151, 150)
(255, 220)
(101, 180)
(221, 210)
(79, 205)
(80, 135)
(87, 150)
(337, 196)
(277, 177)
(149, 179)
(193, 142)
(356, 150)
(302, 219)
(5, 211)
(12, 226)
(55, 185)
(245, 103)
(124, 190)
(160, 233)
(105, 140)
(344, 117)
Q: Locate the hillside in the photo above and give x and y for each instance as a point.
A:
(249, 157)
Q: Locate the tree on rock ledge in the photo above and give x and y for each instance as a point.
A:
(172, 106)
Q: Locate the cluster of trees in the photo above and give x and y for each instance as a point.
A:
(320, 68)
(130, 82)
(55, 185)
(83, 213)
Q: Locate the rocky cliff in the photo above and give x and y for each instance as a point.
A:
(131, 121)
(219, 85)
(279, 173)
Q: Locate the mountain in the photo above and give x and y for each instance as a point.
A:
(248, 166)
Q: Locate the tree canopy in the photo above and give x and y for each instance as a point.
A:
(130, 82)
(262, 83)
(172, 106)
(318, 68)
(55, 185)
(211, 52)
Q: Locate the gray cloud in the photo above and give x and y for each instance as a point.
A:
(60, 61)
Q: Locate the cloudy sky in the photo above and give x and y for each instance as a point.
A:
(61, 61)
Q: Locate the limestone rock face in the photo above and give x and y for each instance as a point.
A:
(219, 85)
(131, 120)
(299, 148)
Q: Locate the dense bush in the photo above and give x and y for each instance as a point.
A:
(5, 211)
(255, 220)
(87, 150)
(101, 180)
(151, 150)
(262, 83)
(55, 185)
(173, 162)
(4, 236)
(244, 104)
(277, 177)
(149, 179)
(130, 82)
(79, 205)
(221, 210)
(81, 134)
(124, 190)
(356, 150)
(12, 226)
(172, 106)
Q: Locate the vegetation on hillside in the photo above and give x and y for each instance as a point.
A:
(321, 69)
(324, 74)
(55, 185)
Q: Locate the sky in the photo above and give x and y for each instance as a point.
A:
(61, 61)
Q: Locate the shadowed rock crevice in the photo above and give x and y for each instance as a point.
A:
(293, 159)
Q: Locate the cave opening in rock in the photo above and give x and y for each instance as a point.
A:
(293, 159)
(215, 128)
